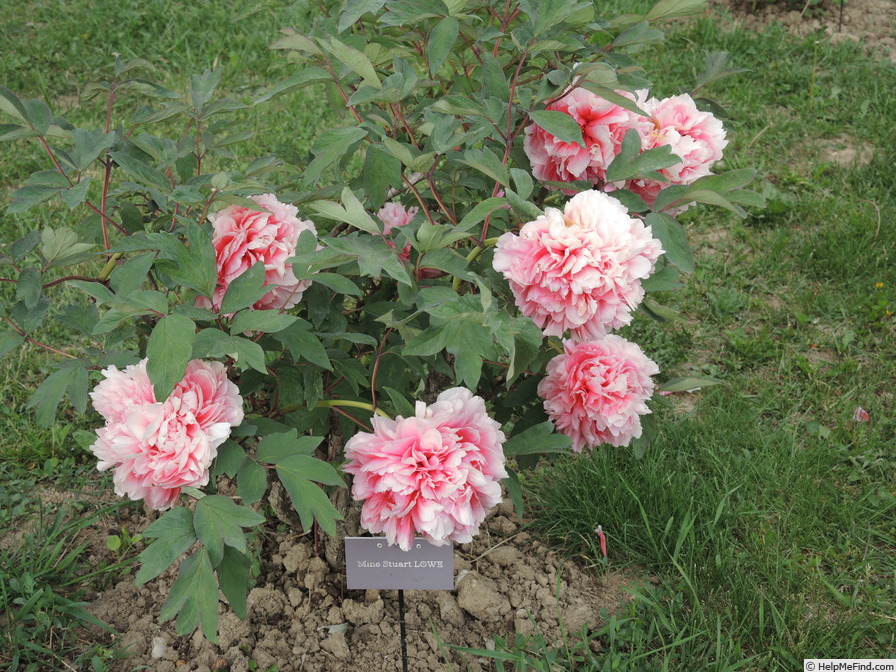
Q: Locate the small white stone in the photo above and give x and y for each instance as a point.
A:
(159, 648)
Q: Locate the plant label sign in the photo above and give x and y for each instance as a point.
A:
(370, 562)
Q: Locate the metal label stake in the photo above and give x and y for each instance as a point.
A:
(370, 562)
(404, 639)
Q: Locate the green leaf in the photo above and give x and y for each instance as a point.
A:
(401, 404)
(89, 145)
(374, 256)
(713, 198)
(688, 384)
(494, 81)
(174, 536)
(9, 341)
(163, 150)
(268, 321)
(485, 161)
(300, 80)
(251, 482)
(309, 501)
(233, 579)
(15, 132)
(30, 319)
(130, 276)
(218, 521)
(27, 197)
(441, 40)
(48, 395)
(329, 147)
(482, 210)
(427, 343)
(537, 440)
(230, 458)
(559, 124)
(203, 87)
(355, 60)
(400, 150)
(60, 244)
(169, 350)
(77, 389)
(664, 280)
(675, 242)
(77, 194)
(716, 68)
(277, 447)
(412, 12)
(245, 289)
(194, 596)
(515, 490)
(246, 353)
(23, 246)
(39, 115)
(11, 105)
(666, 9)
(632, 162)
(142, 171)
(640, 33)
(523, 182)
(303, 344)
(381, 172)
(338, 283)
(28, 288)
(355, 9)
(194, 266)
(356, 215)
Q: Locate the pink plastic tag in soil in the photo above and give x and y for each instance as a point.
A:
(370, 562)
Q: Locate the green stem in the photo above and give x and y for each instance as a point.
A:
(109, 267)
(472, 256)
(330, 403)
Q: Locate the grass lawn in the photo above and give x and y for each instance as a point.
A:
(764, 512)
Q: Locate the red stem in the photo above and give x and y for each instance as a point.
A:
(352, 418)
(36, 342)
(509, 137)
(376, 366)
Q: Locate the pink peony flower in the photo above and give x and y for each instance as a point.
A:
(435, 474)
(696, 137)
(156, 448)
(580, 269)
(603, 125)
(243, 237)
(860, 415)
(597, 391)
(393, 215)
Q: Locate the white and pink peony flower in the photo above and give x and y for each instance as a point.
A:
(597, 391)
(603, 125)
(394, 215)
(580, 269)
(435, 474)
(156, 448)
(696, 137)
(243, 237)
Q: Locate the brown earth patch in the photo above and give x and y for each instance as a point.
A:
(302, 618)
(872, 23)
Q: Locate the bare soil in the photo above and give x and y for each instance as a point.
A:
(871, 23)
(302, 618)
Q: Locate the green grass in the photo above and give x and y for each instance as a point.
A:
(766, 514)
(48, 570)
(765, 511)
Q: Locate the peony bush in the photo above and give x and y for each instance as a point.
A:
(496, 186)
